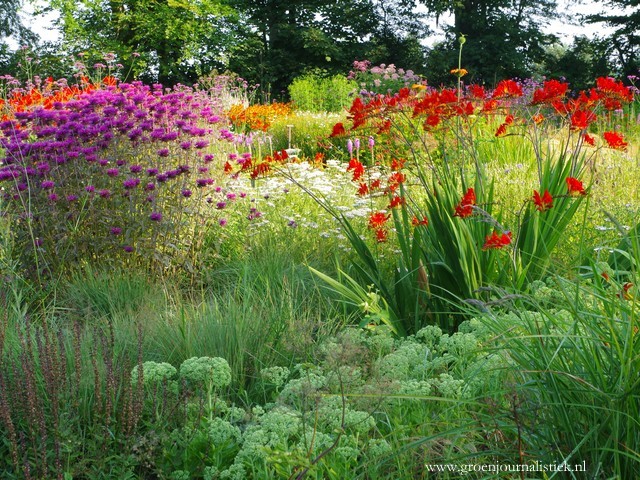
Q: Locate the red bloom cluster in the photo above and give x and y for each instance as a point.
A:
(377, 221)
(356, 167)
(615, 140)
(613, 93)
(551, 91)
(542, 202)
(465, 207)
(496, 240)
(575, 187)
(507, 89)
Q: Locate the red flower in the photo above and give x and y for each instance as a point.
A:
(544, 202)
(357, 167)
(415, 221)
(551, 91)
(396, 202)
(397, 164)
(496, 240)
(507, 88)
(381, 235)
(363, 189)
(613, 92)
(465, 207)
(395, 179)
(575, 186)
(338, 129)
(375, 184)
(227, 167)
(477, 91)
(377, 220)
(580, 119)
(615, 140)
(589, 139)
(502, 129)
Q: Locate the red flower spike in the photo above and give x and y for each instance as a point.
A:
(507, 88)
(589, 139)
(227, 167)
(581, 119)
(377, 220)
(416, 222)
(381, 235)
(575, 187)
(397, 164)
(465, 207)
(363, 189)
(551, 91)
(375, 184)
(544, 202)
(396, 202)
(357, 168)
(615, 140)
(497, 241)
(338, 129)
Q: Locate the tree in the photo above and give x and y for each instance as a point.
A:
(624, 42)
(177, 40)
(504, 37)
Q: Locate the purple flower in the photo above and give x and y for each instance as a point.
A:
(103, 162)
(231, 196)
(47, 185)
(38, 242)
(208, 158)
(127, 248)
(185, 145)
(53, 197)
(89, 189)
(222, 222)
(202, 143)
(120, 162)
(104, 193)
(116, 231)
(72, 198)
(135, 168)
(155, 216)
(162, 177)
(152, 171)
(150, 186)
(131, 183)
(221, 205)
(112, 172)
(203, 169)
(163, 152)
(186, 193)
(203, 182)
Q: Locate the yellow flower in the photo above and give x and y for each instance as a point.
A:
(419, 87)
(460, 72)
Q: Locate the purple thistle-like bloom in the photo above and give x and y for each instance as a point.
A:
(203, 182)
(38, 242)
(203, 169)
(104, 193)
(135, 168)
(152, 171)
(47, 185)
(231, 196)
(162, 177)
(202, 143)
(120, 162)
(89, 189)
(208, 158)
(53, 197)
(113, 172)
(155, 216)
(103, 162)
(127, 248)
(150, 186)
(131, 182)
(163, 152)
(222, 222)
(185, 145)
(116, 231)
(72, 198)
(221, 205)
(186, 193)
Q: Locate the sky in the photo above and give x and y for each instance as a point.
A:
(564, 30)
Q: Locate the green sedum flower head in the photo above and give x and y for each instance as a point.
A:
(153, 373)
(211, 371)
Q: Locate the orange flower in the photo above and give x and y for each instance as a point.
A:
(615, 140)
(416, 222)
(465, 207)
(575, 186)
(589, 139)
(507, 88)
(581, 119)
(396, 202)
(363, 189)
(551, 91)
(544, 202)
(459, 72)
(496, 241)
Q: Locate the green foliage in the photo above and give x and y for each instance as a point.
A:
(319, 94)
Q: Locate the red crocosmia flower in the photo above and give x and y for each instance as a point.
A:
(507, 88)
(375, 184)
(396, 202)
(338, 129)
(415, 221)
(538, 118)
(496, 241)
(227, 167)
(544, 202)
(589, 139)
(489, 106)
(381, 235)
(615, 140)
(477, 92)
(613, 93)
(384, 128)
(377, 220)
(356, 167)
(465, 207)
(551, 91)
(363, 189)
(397, 164)
(431, 121)
(575, 187)
(581, 119)
(501, 131)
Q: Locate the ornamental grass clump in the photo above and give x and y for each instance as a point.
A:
(115, 173)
